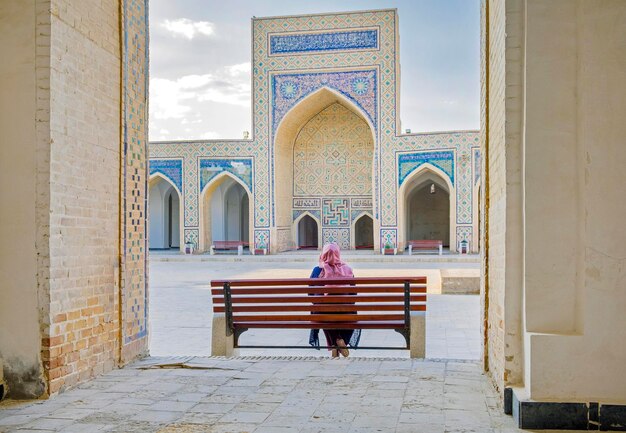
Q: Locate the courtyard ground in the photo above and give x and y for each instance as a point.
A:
(292, 391)
(181, 311)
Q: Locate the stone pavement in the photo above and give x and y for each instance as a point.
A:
(180, 310)
(272, 395)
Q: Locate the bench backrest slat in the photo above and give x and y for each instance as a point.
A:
(331, 308)
(415, 288)
(318, 281)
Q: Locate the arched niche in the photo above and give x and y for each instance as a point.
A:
(308, 232)
(164, 214)
(363, 232)
(425, 212)
(225, 211)
(291, 127)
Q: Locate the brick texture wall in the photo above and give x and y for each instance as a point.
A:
(81, 333)
(502, 117)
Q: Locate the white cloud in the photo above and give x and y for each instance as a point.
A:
(209, 135)
(188, 28)
(181, 105)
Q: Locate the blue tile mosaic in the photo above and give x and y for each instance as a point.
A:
(240, 168)
(331, 41)
(409, 162)
(360, 87)
(169, 168)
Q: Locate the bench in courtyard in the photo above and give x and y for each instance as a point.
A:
(397, 304)
(228, 245)
(426, 244)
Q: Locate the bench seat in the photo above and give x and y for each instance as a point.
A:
(229, 245)
(425, 244)
(390, 303)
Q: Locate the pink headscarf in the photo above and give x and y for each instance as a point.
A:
(331, 264)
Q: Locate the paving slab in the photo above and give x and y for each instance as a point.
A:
(368, 395)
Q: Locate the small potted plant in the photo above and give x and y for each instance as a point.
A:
(389, 249)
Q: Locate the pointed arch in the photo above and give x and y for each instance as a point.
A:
(353, 227)
(284, 140)
(165, 213)
(417, 178)
(296, 226)
(205, 197)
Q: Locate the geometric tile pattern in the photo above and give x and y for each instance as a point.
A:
(331, 41)
(261, 239)
(340, 236)
(172, 169)
(409, 162)
(134, 178)
(240, 168)
(464, 233)
(476, 168)
(333, 155)
(357, 86)
(336, 212)
(388, 237)
(367, 78)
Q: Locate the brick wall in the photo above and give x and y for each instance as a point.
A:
(82, 335)
(503, 120)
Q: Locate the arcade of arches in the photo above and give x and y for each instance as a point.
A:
(73, 287)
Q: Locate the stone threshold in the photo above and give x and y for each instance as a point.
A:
(543, 415)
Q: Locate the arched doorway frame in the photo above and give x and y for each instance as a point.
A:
(181, 209)
(284, 139)
(408, 185)
(294, 229)
(209, 188)
(353, 229)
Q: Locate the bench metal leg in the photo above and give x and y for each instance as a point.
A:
(440, 250)
(221, 344)
(418, 334)
(410, 250)
(240, 250)
(212, 249)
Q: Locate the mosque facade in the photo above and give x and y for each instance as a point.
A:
(327, 161)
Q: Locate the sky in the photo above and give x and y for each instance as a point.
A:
(200, 54)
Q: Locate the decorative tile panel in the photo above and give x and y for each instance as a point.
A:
(340, 236)
(327, 41)
(360, 87)
(388, 237)
(306, 203)
(134, 178)
(172, 169)
(361, 203)
(476, 167)
(240, 168)
(464, 233)
(335, 212)
(192, 236)
(333, 155)
(409, 162)
(262, 239)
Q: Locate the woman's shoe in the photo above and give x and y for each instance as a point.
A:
(343, 349)
(334, 353)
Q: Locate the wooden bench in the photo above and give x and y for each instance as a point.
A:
(426, 244)
(229, 245)
(397, 304)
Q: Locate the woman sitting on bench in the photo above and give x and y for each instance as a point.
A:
(331, 266)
